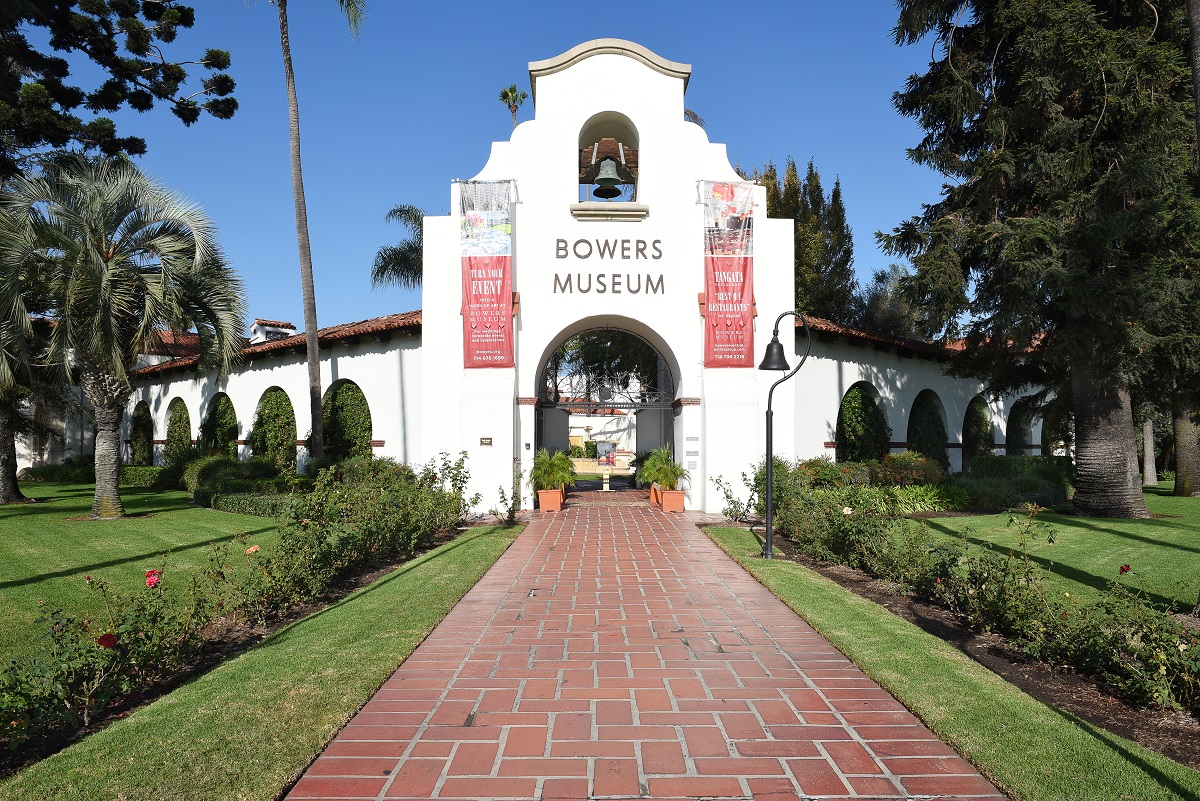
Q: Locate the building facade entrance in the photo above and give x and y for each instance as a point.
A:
(605, 394)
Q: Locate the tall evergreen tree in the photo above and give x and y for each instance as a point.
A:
(1065, 129)
(129, 43)
(824, 244)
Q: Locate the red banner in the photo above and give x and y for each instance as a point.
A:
(487, 299)
(487, 311)
(728, 274)
(729, 311)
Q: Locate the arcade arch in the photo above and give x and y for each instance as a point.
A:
(219, 431)
(927, 428)
(141, 436)
(613, 383)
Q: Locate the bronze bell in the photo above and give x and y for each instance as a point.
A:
(607, 181)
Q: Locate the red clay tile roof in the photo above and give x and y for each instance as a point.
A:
(173, 343)
(325, 336)
(275, 324)
(822, 326)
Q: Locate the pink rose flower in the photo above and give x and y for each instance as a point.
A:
(152, 577)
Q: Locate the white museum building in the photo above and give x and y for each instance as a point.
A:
(606, 226)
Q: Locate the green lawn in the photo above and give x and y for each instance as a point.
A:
(44, 554)
(1031, 751)
(250, 727)
(1163, 553)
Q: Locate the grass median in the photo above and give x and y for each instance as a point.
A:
(1028, 749)
(248, 728)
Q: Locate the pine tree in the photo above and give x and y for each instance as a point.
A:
(128, 42)
(824, 244)
(1065, 131)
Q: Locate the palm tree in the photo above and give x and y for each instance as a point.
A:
(121, 259)
(401, 264)
(513, 98)
(16, 335)
(353, 11)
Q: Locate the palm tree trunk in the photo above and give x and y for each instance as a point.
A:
(1107, 481)
(10, 490)
(108, 395)
(317, 437)
(513, 109)
(1149, 469)
(1187, 449)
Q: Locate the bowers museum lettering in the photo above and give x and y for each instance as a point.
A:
(609, 283)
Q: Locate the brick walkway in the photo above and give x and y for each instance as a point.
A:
(615, 652)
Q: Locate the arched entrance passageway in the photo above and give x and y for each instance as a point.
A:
(605, 394)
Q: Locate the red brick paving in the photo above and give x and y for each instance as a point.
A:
(614, 652)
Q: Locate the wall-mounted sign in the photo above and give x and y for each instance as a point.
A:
(728, 274)
(487, 299)
(485, 442)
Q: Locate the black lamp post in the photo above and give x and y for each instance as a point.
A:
(776, 359)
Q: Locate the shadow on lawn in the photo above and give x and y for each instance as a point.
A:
(1110, 742)
(1066, 571)
(84, 569)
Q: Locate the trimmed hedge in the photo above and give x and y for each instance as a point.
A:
(252, 503)
(978, 439)
(862, 430)
(347, 419)
(926, 429)
(219, 432)
(179, 430)
(273, 436)
(139, 476)
(141, 436)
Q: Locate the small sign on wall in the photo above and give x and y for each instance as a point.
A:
(485, 442)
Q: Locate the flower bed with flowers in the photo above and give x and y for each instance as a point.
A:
(1121, 638)
(370, 511)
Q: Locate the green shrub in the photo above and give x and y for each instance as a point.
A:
(210, 476)
(347, 419)
(578, 452)
(840, 524)
(219, 432)
(996, 494)
(924, 498)
(551, 471)
(589, 449)
(905, 469)
(862, 431)
(273, 436)
(140, 476)
(824, 472)
(380, 510)
(978, 439)
(141, 436)
(79, 469)
(926, 429)
(179, 431)
(1016, 434)
(251, 503)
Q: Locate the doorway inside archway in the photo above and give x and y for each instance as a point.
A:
(605, 396)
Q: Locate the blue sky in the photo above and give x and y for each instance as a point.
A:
(395, 115)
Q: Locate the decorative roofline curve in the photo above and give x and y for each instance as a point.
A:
(599, 47)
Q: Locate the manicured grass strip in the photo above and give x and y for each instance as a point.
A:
(251, 726)
(1088, 553)
(45, 554)
(1029, 750)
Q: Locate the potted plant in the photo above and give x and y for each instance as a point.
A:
(550, 475)
(668, 476)
(647, 471)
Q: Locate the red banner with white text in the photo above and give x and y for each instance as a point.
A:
(728, 274)
(487, 299)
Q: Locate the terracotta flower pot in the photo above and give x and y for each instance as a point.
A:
(655, 494)
(672, 500)
(550, 500)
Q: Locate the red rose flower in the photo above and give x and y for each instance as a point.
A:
(152, 577)
(1125, 569)
(107, 640)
